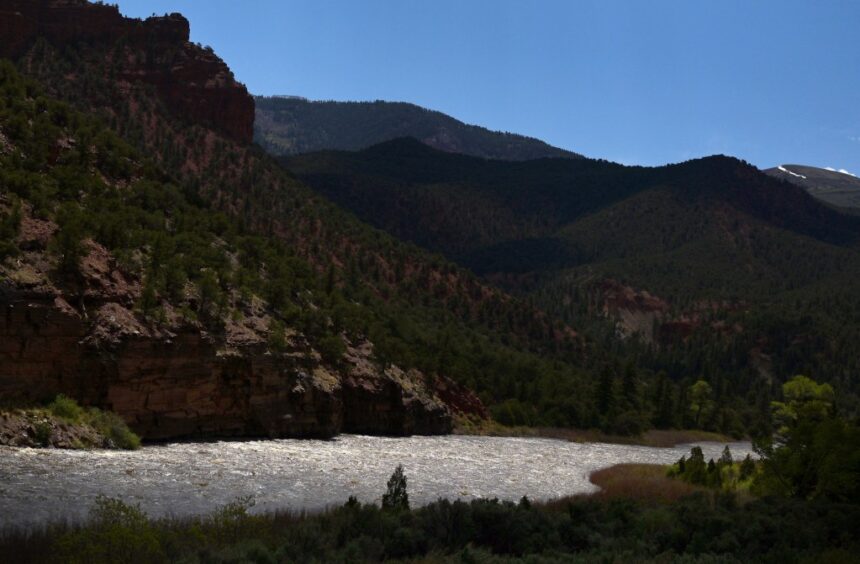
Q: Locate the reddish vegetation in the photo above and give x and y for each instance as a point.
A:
(192, 80)
(617, 296)
(460, 399)
(644, 482)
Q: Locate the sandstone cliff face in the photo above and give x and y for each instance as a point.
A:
(191, 80)
(174, 379)
(185, 385)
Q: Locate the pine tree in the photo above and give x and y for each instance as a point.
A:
(629, 387)
(396, 498)
(605, 392)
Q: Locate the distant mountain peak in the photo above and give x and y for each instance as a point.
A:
(837, 187)
(841, 170)
(287, 126)
(785, 170)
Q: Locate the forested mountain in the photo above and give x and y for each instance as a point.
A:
(736, 275)
(290, 125)
(195, 286)
(216, 247)
(837, 188)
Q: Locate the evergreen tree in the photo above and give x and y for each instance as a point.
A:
(396, 498)
(629, 388)
(605, 392)
(726, 457)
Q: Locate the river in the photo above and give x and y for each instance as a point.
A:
(40, 485)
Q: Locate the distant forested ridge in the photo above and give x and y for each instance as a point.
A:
(706, 269)
(290, 125)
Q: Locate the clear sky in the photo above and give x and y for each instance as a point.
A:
(640, 82)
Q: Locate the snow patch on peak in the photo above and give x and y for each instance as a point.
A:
(783, 169)
(841, 170)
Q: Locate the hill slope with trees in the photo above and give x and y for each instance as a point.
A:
(706, 268)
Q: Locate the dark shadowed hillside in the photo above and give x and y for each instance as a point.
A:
(486, 214)
(726, 266)
(293, 125)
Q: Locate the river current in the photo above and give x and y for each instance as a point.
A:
(39, 485)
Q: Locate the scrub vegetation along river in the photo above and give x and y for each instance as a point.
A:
(196, 478)
(666, 519)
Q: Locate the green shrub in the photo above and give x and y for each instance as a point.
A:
(118, 533)
(43, 432)
(331, 348)
(66, 408)
(277, 336)
(114, 428)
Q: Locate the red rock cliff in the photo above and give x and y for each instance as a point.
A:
(192, 80)
(176, 379)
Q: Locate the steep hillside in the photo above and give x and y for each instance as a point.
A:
(254, 305)
(293, 125)
(740, 264)
(837, 188)
(118, 290)
(316, 270)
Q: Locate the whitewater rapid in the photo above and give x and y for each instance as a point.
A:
(41, 485)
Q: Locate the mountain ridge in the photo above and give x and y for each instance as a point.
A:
(293, 125)
(837, 188)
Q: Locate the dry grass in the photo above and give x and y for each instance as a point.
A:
(642, 482)
(638, 482)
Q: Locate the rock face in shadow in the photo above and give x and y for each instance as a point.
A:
(177, 378)
(187, 383)
(191, 80)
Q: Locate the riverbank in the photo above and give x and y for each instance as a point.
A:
(658, 526)
(66, 425)
(657, 438)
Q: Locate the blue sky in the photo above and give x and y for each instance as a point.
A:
(637, 82)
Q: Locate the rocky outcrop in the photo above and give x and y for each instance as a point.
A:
(191, 80)
(36, 428)
(174, 378)
(635, 312)
(652, 319)
(185, 384)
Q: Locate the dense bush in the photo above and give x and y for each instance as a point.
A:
(697, 528)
